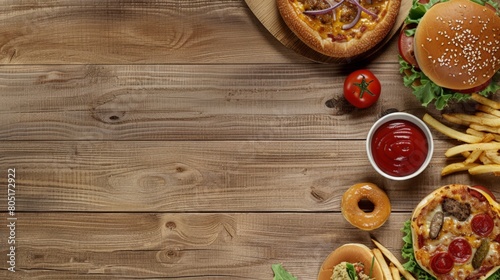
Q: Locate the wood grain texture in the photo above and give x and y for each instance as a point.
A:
(134, 32)
(185, 102)
(181, 140)
(180, 246)
(240, 176)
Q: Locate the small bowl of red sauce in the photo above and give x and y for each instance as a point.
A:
(399, 146)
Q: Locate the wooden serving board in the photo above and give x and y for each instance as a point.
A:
(267, 13)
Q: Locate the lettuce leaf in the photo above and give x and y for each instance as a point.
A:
(280, 273)
(412, 266)
(407, 253)
(416, 13)
(428, 92)
(351, 271)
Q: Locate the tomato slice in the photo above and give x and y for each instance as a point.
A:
(405, 47)
(474, 89)
(479, 196)
(482, 224)
(442, 263)
(489, 6)
(460, 250)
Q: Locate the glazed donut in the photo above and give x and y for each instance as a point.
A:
(359, 218)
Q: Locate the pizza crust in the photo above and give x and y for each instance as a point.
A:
(340, 49)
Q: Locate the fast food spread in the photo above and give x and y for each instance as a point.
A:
(449, 49)
(456, 233)
(340, 28)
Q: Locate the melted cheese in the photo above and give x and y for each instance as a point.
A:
(334, 29)
(452, 228)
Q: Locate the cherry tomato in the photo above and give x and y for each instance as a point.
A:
(362, 88)
(442, 263)
(479, 196)
(460, 250)
(405, 47)
(482, 224)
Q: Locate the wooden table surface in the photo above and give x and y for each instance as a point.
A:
(176, 139)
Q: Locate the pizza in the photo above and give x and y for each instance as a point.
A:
(340, 28)
(456, 233)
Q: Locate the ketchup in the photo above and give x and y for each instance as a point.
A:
(399, 148)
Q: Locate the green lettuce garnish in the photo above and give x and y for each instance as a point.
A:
(351, 271)
(280, 273)
(428, 92)
(412, 266)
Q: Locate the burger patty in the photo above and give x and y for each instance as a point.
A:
(455, 208)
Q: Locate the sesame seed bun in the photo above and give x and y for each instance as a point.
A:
(457, 44)
(351, 253)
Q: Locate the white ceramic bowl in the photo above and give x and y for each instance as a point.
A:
(406, 117)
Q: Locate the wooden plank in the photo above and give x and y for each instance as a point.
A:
(190, 102)
(182, 246)
(205, 175)
(135, 32)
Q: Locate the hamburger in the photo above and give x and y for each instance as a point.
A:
(351, 259)
(449, 49)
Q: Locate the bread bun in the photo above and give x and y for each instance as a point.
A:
(457, 44)
(352, 253)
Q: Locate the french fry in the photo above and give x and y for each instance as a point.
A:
(449, 131)
(453, 119)
(472, 147)
(390, 256)
(485, 101)
(488, 137)
(471, 131)
(486, 168)
(485, 115)
(394, 272)
(473, 157)
(383, 264)
(480, 156)
(484, 159)
(489, 110)
(465, 154)
(486, 128)
(482, 120)
(457, 167)
(474, 132)
(493, 156)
